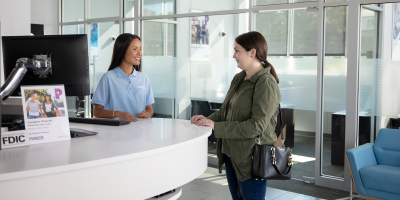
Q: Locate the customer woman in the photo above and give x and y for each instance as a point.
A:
(49, 108)
(123, 91)
(249, 110)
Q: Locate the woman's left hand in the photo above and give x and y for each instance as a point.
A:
(144, 114)
(205, 122)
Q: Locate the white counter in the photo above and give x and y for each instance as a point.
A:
(134, 161)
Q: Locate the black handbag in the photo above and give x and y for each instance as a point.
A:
(271, 162)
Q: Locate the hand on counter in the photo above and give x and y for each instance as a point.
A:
(144, 114)
(125, 116)
(200, 120)
(197, 118)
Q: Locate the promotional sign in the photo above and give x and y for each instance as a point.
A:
(11, 139)
(396, 32)
(45, 113)
(94, 40)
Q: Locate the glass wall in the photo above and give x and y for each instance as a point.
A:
(101, 42)
(334, 107)
(379, 94)
(103, 8)
(160, 64)
(290, 35)
(170, 7)
(73, 29)
(72, 10)
(271, 2)
(129, 6)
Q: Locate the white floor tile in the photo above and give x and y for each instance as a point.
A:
(207, 178)
(189, 186)
(210, 188)
(293, 196)
(273, 193)
(315, 198)
(221, 195)
(190, 194)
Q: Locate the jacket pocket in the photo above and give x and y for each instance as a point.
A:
(242, 152)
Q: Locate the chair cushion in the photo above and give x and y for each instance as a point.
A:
(387, 148)
(381, 177)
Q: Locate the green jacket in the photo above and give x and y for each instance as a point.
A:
(251, 115)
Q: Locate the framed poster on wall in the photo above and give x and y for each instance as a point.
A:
(199, 45)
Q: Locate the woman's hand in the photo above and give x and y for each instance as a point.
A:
(144, 114)
(125, 116)
(197, 118)
(205, 122)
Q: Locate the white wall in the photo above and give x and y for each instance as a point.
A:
(15, 20)
(387, 26)
(45, 12)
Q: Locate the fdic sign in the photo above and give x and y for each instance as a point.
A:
(11, 139)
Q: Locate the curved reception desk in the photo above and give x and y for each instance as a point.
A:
(135, 161)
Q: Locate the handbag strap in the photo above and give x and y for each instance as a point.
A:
(280, 116)
(280, 173)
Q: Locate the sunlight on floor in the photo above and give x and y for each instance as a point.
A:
(302, 159)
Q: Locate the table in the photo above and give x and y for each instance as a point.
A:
(135, 161)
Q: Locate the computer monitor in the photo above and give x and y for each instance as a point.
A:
(69, 61)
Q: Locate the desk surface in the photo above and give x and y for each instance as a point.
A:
(113, 144)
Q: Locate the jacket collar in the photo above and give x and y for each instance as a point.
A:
(121, 73)
(266, 70)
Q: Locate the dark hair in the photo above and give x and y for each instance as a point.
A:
(120, 46)
(254, 40)
(44, 102)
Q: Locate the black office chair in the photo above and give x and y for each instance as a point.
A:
(203, 108)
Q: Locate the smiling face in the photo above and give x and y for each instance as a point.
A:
(134, 52)
(47, 98)
(243, 57)
(33, 97)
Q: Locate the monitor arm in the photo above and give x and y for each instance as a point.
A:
(40, 65)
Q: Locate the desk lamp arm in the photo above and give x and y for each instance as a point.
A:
(13, 80)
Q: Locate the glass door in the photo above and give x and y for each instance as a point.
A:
(291, 37)
(379, 61)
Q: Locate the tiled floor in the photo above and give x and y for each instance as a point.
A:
(215, 187)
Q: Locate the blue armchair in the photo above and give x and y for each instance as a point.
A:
(375, 169)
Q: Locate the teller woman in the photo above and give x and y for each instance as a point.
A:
(123, 91)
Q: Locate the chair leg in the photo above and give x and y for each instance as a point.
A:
(351, 190)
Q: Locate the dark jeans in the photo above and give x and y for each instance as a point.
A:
(250, 189)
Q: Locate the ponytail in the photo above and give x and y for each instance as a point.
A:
(273, 72)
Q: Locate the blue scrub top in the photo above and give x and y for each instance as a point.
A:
(121, 92)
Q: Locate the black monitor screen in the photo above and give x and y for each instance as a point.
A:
(69, 60)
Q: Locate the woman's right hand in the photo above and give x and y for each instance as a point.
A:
(197, 118)
(125, 116)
